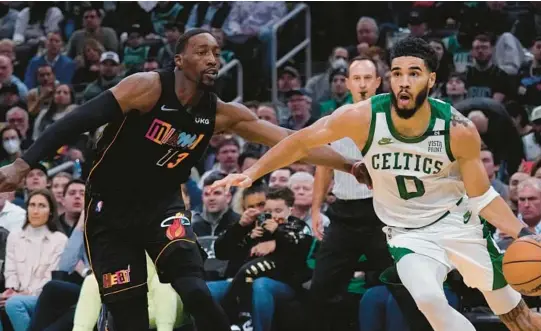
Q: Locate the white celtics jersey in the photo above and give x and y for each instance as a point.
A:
(416, 181)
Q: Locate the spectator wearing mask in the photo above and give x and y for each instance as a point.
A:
(135, 53)
(88, 64)
(151, 64)
(302, 184)
(58, 183)
(532, 141)
(496, 129)
(280, 177)
(483, 78)
(491, 167)
(166, 53)
(299, 103)
(35, 22)
(216, 216)
(7, 77)
(12, 217)
(8, 18)
(109, 76)
(92, 29)
(519, 115)
(63, 66)
(529, 90)
(73, 202)
(273, 246)
(18, 118)
(11, 143)
(32, 255)
(514, 182)
(61, 105)
(339, 93)
(319, 85)
(41, 96)
(227, 155)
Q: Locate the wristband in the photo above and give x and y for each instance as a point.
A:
(525, 232)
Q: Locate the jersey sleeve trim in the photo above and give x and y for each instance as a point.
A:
(448, 136)
(372, 129)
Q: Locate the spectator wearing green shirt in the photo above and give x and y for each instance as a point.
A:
(339, 93)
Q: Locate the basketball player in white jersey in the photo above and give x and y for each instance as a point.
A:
(430, 189)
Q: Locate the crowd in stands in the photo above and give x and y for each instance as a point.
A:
(258, 241)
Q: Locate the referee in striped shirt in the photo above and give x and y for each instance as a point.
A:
(354, 229)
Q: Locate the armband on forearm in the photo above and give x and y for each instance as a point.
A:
(478, 203)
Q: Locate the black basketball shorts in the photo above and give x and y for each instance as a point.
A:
(117, 234)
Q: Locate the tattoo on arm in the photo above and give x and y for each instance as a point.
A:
(521, 318)
(458, 119)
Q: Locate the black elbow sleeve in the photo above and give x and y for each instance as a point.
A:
(101, 110)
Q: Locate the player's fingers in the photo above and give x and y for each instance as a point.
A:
(246, 182)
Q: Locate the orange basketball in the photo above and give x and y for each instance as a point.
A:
(522, 265)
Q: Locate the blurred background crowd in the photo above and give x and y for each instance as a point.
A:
(57, 55)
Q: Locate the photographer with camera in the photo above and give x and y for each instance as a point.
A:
(272, 246)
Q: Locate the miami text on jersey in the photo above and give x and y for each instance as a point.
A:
(163, 133)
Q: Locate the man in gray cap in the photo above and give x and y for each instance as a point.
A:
(109, 75)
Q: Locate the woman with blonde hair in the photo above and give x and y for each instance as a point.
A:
(88, 64)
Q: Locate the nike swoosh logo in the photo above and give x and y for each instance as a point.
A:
(385, 141)
(164, 108)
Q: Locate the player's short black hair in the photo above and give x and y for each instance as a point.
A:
(364, 58)
(71, 182)
(185, 37)
(416, 47)
(282, 193)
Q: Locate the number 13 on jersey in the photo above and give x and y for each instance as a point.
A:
(170, 160)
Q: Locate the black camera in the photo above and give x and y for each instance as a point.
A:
(261, 218)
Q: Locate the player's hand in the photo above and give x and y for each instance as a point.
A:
(240, 180)
(12, 175)
(361, 174)
(257, 232)
(317, 225)
(248, 217)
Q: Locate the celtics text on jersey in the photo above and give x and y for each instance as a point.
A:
(415, 180)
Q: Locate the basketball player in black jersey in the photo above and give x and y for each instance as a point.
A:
(158, 126)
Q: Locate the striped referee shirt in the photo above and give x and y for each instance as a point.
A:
(346, 186)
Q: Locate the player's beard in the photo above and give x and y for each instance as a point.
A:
(406, 113)
(537, 136)
(205, 87)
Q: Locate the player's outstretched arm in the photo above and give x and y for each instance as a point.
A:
(135, 92)
(484, 200)
(237, 118)
(347, 121)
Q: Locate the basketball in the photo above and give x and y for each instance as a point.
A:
(522, 266)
